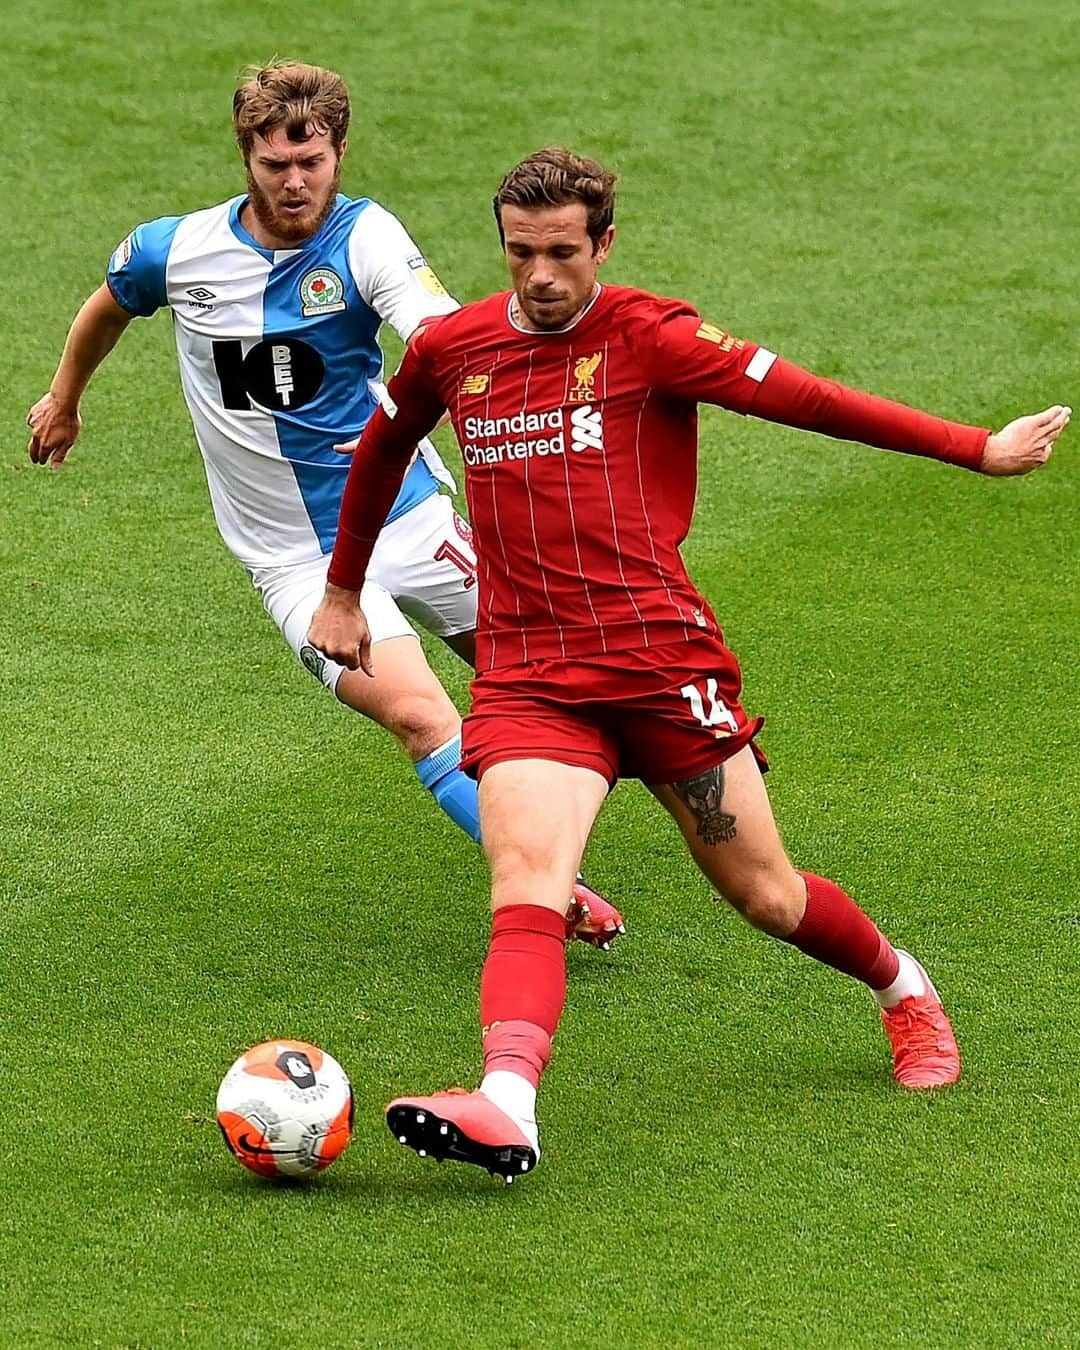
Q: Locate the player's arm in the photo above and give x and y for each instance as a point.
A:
(392, 275)
(696, 360)
(54, 419)
(394, 278)
(795, 397)
(382, 457)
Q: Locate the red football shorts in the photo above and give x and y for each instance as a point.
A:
(660, 714)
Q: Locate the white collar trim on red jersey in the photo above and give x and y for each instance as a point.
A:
(551, 332)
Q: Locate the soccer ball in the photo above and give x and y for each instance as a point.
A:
(285, 1109)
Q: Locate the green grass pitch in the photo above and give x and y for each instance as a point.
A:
(199, 850)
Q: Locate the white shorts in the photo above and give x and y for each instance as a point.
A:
(423, 565)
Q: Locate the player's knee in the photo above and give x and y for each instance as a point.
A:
(769, 901)
(421, 722)
(545, 892)
(421, 715)
(521, 875)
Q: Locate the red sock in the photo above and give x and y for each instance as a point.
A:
(836, 931)
(523, 989)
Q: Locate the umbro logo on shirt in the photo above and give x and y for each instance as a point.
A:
(199, 296)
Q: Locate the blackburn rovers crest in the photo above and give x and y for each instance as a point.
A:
(322, 292)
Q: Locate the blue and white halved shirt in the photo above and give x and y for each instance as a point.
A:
(279, 359)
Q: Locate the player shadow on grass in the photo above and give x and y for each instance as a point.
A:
(372, 1181)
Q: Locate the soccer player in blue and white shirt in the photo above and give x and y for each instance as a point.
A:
(277, 297)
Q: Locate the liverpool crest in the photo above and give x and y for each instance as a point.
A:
(585, 369)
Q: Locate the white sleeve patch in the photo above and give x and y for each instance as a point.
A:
(391, 273)
(121, 256)
(760, 364)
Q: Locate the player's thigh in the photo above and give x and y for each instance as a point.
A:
(727, 820)
(404, 695)
(544, 769)
(535, 819)
(425, 560)
(291, 596)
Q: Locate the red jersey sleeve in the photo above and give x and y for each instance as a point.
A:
(689, 358)
(797, 398)
(693, 359)
(379, 464)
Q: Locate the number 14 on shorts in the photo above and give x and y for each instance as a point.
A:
(709, 708)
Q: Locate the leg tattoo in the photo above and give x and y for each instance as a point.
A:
(704, 796)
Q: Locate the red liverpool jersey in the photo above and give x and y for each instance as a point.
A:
(580, 451)
(581, 470)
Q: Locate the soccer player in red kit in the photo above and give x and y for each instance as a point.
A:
(575, 405)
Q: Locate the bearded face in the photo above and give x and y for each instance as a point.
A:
(291, 186)
(292, 217)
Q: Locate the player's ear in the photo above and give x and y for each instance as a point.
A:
(342, 148)
(602, 247)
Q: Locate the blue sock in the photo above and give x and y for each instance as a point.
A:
(454, 791)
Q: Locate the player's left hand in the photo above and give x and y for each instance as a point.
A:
(340, 631)
(1025, 444)
(54, 429)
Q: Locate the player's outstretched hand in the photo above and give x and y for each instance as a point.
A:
(53, 431)
(1025, 444)
(340, 631)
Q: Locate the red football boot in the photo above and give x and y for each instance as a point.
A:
(925, 1053)
(592, 919)
(464, 1127)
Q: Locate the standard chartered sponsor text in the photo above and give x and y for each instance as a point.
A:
(520, 433)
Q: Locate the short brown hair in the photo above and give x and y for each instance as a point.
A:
(293, 95)
(555, 176)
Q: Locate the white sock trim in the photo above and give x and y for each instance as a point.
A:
(515, 1095)
(911, 981)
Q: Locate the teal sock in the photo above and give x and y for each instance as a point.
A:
(440, 773)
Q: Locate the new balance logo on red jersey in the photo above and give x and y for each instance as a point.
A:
(586, 428)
